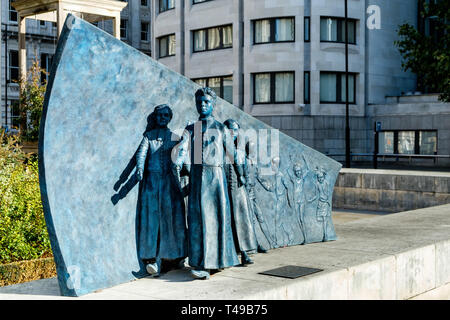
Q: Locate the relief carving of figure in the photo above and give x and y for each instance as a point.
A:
(323, 212)
(297, 193)
(240, 205)
(251, 176)
(276, 184)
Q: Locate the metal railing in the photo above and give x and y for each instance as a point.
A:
(385, 156)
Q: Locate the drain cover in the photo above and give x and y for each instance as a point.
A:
(291, 272)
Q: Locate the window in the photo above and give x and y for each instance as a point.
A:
(273, 87)
(428, 142)
(13, 66)
(165, 5)
(42, 23)
(199, 1)
(13, 17)
(46, 64)
(167, 46)
(123, 28)
(306, 87)
(307, 29)
(145, 27)
(386, 142)
(422, 142)
(15, 113)
(274, 30)
(332, 87)
(144, 3)
(213, 38)
(222, 86)
(333, 30)
(406, 141)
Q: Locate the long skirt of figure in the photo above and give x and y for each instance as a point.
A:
(162, 225)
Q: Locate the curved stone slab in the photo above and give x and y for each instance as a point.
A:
(99, 96)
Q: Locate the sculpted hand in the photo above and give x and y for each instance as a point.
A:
(243, 180)
(176, 172)
(140, 175)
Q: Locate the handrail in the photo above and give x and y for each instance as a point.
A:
(375, 157)
(391, 155)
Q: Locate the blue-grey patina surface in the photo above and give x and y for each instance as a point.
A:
(99, 97)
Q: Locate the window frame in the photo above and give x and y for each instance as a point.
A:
(221, 95)
(193, 2)
(147, 31)
(207, 38)
(307, 39)
(342, 20)
(416, 140)
(338, 86)
(12, 11)
(272, 87)
(272, 30)
(11, 67)
(307, 93)
(124, 27)
(168, 9)
(159, 46)
(14, 112)
(46, 62)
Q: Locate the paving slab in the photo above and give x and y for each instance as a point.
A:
(377, 256)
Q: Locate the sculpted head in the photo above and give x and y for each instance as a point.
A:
(321, 174)
(163, 115)
(298, 170)
(276, 163)
(234, 127)
(205, 101)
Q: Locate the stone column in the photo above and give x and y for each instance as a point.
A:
(22, 48)
(116, 23)
(60, 18)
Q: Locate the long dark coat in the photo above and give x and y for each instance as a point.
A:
(210, 235)
(162, 225)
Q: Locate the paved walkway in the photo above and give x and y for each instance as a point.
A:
(397, 256)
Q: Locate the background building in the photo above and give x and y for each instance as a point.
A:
(41, 42)
(284, 61)
(281, 61)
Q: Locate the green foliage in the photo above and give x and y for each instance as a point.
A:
(32, 93)
(429, 56)
(23, 233)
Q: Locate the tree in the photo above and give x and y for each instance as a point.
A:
(428, 54)
(32, 92)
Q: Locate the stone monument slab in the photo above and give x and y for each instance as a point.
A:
(99, 97)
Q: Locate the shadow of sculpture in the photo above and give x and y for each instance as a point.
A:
(125, 183)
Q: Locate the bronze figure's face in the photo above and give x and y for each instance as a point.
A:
(163, 117)
(234, 127)
(205, 105)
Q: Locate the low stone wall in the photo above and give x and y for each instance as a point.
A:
(25, 271)
(390, 190)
